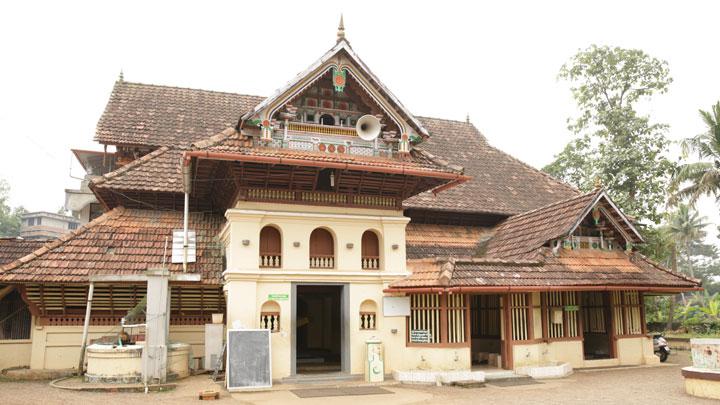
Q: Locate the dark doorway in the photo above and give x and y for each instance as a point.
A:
(597, 325)
(327, 119)
(487, 344)
(319, 329)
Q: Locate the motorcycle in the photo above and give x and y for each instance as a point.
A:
(660, 347)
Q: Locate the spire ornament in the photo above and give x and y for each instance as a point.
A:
(341, 30)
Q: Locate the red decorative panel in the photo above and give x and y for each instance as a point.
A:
(341, 149)
(327, 104)
(331, 148)
(322, 147)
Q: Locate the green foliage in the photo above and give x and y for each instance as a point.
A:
(615, 144)
(10, 218)
(693, 180)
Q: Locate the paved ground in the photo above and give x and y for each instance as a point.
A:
(655, 385)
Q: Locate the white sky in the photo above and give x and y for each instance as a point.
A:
(498, 62)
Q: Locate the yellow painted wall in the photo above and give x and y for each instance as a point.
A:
(702, 388)
(434, 358)
(58, 347)
(636, 350)
(15, 353)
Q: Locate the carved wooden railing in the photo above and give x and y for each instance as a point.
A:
(320, 197)
(273, 261)
(270, 320)
(322, 261)
(367, 320)
(321, 129)
(370, 262)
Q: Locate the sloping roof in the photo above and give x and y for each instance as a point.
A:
(146, 114)
(584, 268)
(156, 116)
(15, 248)
(522, 235)
(158, 171)
(120, 242)
(429, 240)
(500, 183)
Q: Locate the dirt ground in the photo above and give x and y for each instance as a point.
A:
(646, 385)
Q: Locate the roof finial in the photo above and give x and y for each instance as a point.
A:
(341, 29)
(598, 183)
(121, 77)
(467, 118)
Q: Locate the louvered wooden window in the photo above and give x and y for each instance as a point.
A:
(560, 315)
(270, 248)
(322, 249)
(370, 251)
(593, 309)
(441, 319)
(521, 316)
(627, 312)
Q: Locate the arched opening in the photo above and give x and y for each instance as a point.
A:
(327, 119)
(370, 254)
(368, 315)
(270, 247)
(270, 316)
(322, 249)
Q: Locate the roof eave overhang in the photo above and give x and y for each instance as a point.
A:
(508, 289)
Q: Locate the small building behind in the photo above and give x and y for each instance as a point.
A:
(46, 225)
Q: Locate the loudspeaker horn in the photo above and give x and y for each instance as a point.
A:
(368, 127)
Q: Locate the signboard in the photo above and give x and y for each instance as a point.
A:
(396, 306)
(420, 336)
(248, 363)
(571, 308)
(278, 297)
(177, 246)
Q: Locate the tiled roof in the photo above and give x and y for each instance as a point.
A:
(144, 114)
(120, 242)
(571, 268)
(15, 248)
(158, 171)
(428, 240)
(500, 184)
(523, 234)
(169, 116)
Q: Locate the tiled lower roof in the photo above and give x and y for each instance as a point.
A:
(571, 268)
(429, 240)
(120, 242)
(15, 248)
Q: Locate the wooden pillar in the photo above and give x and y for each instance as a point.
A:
(507, 355)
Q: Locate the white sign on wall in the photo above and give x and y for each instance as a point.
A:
(396, 306)
(177, 246)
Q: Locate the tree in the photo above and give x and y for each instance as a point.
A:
(10, 219)
(693, 180)
(687, 226)
(615, 144)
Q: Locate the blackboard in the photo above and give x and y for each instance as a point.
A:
(248, 359)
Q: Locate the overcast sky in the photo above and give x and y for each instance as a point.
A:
(497, 62)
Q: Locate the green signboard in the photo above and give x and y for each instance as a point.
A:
(571, 308)
(278, 297)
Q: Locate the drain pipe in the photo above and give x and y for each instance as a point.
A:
(86, 326)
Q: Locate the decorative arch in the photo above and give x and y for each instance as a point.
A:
(270, 316)
(370, 250)
(270, 247)
(322, 249)
(368, 315)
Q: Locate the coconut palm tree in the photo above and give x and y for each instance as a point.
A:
(693, 180)
(687, 227)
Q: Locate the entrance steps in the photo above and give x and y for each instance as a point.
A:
(321, 378)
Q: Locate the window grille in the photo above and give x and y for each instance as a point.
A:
(560, 313)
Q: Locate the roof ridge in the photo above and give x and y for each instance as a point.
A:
(115, 212)
(165, 86)
(533, 211)
(97, 181)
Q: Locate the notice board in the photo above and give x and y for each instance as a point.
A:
(248, 363)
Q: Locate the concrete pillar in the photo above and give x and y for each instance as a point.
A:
(157, 319)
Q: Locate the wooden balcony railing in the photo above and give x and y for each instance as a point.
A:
(321, 129)
(370, 262)
(270, 260)
(320, 198)
(322, 261)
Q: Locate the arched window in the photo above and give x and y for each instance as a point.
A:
(368, 315)
(322, 249)
(327, 119)
(270, 316)
(370, 251)
(270, 247)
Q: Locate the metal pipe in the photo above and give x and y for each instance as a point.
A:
(86, 326)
